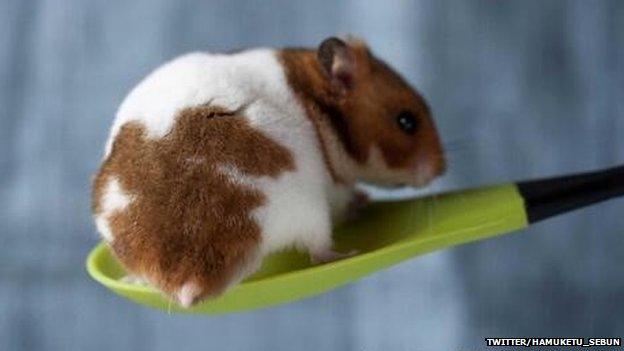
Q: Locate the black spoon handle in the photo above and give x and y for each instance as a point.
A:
(549, 197)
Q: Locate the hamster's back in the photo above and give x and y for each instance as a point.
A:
(164, 197)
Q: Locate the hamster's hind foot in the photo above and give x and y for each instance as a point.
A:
(327, 256)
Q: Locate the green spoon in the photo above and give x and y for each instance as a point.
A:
(387, 233)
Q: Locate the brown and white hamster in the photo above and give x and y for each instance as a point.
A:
(215, 161)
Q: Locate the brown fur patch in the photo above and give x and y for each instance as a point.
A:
(188, 221)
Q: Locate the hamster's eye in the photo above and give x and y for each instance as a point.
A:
(407, 122)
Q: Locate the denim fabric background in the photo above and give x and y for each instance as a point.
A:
(520, 89)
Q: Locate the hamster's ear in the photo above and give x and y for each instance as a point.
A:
(338, 61)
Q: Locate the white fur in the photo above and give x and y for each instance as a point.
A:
(114, 199)
(297, 210)
(378, 172)
(229, 81)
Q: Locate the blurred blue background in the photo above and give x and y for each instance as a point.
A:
(520, 89)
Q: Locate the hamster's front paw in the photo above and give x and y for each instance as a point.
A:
(358, 202)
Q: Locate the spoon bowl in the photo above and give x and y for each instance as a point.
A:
(386, 234)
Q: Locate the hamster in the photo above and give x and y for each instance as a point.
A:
(215, 161)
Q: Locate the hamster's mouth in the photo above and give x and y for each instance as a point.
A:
(400, 185)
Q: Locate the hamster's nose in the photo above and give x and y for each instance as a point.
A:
(428, 167)
(440, 165)
(436, 159)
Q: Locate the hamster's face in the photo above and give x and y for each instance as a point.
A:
(387, 123)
